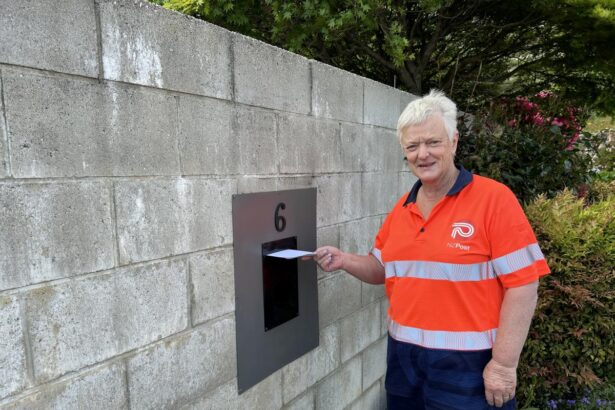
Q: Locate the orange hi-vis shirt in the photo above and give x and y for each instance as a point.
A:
(446, 276)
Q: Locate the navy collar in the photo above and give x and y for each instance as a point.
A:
(463, 179)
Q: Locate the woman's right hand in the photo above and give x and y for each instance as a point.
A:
(329, 258)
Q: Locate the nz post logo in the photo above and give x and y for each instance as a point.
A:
(462, 230)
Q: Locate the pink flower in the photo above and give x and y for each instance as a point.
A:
(557, 121)
(512, 123)
(572, 140)
(537, 119)
(529, 106)
(544, 94)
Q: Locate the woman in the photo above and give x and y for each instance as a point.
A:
(460, 264)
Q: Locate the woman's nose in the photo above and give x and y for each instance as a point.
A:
(423, 152)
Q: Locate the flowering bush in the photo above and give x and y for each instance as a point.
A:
(602, 398)
(547, 111)
(533, 145)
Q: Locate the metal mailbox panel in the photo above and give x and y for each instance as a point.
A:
(259, 220)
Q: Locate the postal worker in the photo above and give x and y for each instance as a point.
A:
(460, 264)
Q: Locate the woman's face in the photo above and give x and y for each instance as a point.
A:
(428, 149)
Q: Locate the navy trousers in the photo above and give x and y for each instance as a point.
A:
(434, 379)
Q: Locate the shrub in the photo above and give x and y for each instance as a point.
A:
(533, 145)
(570, 348)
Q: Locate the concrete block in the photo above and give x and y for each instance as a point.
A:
(101, 388)
(146, 44)
(81, 322)
(405, 99)
(250, 184)
(303, 402)
(358, 236)
(179, 370)
(213, 285)
(336, 93)
(382, 104)
(13, 375)
(4, 146)
(386, 151)
(406, 182)
(254, 134)
(295, 182)
(371, 293)
(341, 388)
(57, 230)
(328, 235)
(205, 141)
(158, 218)
(370, 399)
(338, 296)
(370, 149)
(384, 316)
(63, 127)
(265, 395)
(338, 199)
(308, 145)
(374, 362)
(354, 152)
(268, 76)
(57, 36)
(379, 192)
(301, 374)
(359, 330)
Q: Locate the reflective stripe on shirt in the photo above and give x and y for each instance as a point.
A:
(376, 253)
(441, 339)
(517, 260)
(455, 272)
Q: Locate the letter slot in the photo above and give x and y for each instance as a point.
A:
(280, 284)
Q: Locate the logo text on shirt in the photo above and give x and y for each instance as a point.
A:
(457, 245)
(463, 229)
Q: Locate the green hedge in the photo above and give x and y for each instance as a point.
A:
(570, 350)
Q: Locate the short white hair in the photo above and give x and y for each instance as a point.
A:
(434, 103)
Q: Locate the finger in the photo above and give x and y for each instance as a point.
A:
(498, 400)
(325, 261)
(325, 258)
(329, 259)
(489, 397)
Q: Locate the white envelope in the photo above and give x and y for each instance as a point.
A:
(290, 254)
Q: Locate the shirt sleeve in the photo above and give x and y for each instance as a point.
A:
(516, 257)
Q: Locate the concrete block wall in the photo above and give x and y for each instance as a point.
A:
(125, 129)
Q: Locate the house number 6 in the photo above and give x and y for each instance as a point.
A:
(278, 220)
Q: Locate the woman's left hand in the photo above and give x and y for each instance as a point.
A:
(500, 383)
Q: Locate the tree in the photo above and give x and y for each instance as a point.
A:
(472, 49)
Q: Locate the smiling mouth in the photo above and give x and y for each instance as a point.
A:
(426, 165)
